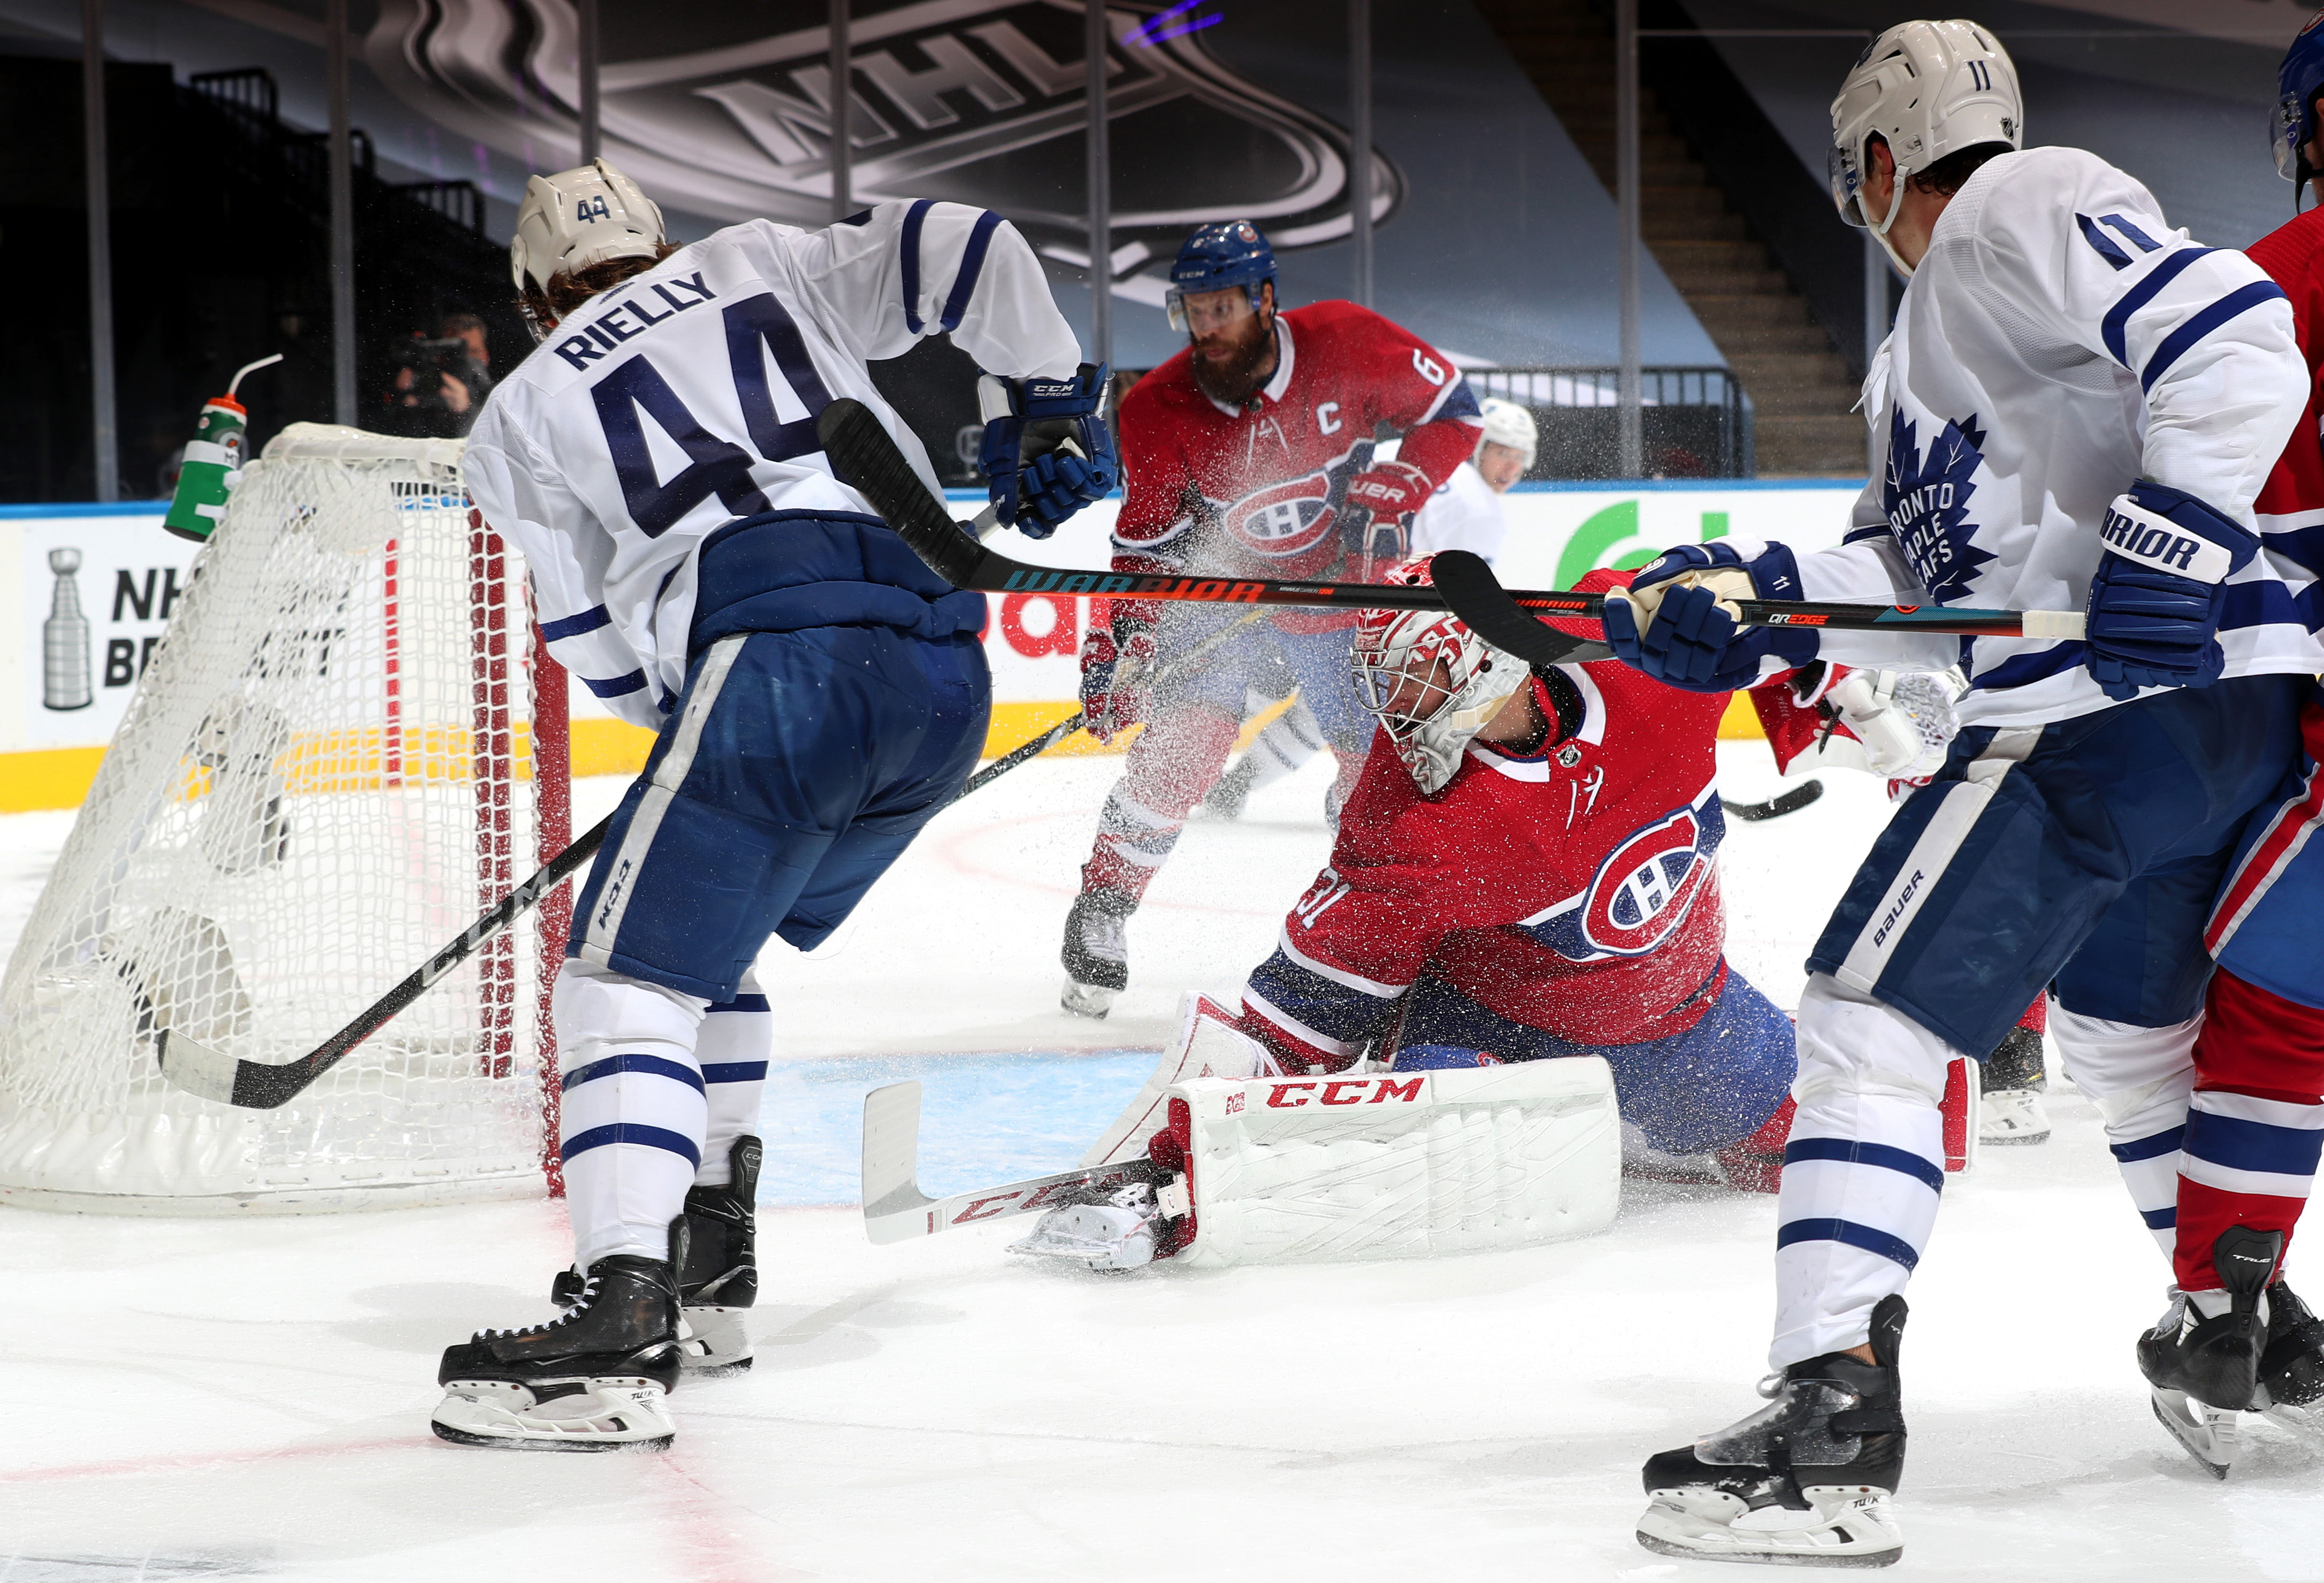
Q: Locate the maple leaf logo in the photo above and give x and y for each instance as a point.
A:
(1926, 499)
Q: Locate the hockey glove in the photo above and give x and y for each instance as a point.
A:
(1046, 452)
(1382, 501)
(2156, 602)
(1114, 664)
(1678, 621)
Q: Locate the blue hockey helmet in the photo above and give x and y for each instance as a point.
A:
(2298, 81)
(1229, 252)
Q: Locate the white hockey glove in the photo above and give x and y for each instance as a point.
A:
(1905, 720)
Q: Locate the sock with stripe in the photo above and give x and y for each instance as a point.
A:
(737, 1037)
(2140, 1080)
(2254, 1125)
(634, 1114)
(1863, 1171)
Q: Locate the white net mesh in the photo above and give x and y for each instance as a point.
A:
(325, 774)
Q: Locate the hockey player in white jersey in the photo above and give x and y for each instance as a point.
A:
(1464, 513)
(2080, 404)
(818, 694)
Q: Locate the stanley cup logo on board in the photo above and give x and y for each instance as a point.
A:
(64, 639)
(976, 100)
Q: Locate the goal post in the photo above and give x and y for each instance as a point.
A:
(349, 743)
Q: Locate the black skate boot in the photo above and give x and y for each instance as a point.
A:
(595, 1380)
(720, 1280)
(1832, 1443)
(2009, 1108)
(2292, 1368)
(2205, 1371)
(1097, 952)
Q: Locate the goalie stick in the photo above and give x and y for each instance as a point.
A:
(861, 452)
(895, 1209)
(253, 1085)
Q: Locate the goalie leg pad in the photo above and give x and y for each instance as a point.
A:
(1398, 1164)
(1208, 1044)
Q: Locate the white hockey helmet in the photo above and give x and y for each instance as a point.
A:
(579, 217)
(1430, 681)
(1506, 423)
(1928, 89)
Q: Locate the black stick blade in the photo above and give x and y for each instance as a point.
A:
(865, 455)
(1486, 609)
(1774, 807)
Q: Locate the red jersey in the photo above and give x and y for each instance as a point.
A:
(1575, 890)
(1257, 492)
(2292, 497)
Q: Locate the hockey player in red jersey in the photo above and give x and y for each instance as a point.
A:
(1247, 454)
(2228, 1131)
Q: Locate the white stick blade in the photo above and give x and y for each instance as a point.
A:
(198, 1069)
(893, 1204)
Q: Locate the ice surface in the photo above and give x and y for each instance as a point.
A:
(205, 1399)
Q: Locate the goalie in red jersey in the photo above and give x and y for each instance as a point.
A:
(1249, 454)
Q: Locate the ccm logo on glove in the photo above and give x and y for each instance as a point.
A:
(1346, 1091)
(2154, 542)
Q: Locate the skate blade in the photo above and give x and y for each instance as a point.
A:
(2208, 1432)
(2306, 1422)
(714, 1343)
(624, 1415)
(1091, 1000)
(1852, 1525)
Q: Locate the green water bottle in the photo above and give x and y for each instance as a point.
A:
(214, 453)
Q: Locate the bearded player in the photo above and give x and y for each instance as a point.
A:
(1249, 454)
(818, 694)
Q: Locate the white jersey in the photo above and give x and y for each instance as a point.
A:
(1464, 513)
(2060, 342)
(684, 399)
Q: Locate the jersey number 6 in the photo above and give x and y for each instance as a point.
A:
(755, 327)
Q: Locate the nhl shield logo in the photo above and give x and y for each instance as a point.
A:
(1644, 887)
(724, 109)
(1284, 518)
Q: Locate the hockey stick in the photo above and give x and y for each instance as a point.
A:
(895, 1209)
(861, 452)
(1777, 806)
(253, 1085)
(1074, 722)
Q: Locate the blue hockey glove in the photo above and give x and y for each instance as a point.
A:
(1046, 451)
(2156, 602)
(1677, 619)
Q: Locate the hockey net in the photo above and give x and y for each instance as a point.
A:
(335, 760)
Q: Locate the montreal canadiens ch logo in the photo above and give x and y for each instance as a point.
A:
(1284, 518)
(1644, 887)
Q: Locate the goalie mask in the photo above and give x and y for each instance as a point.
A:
(1430, 681)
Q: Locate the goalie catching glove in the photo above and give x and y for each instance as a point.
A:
(1680, 623)
(2161, 587)
(1047, 450)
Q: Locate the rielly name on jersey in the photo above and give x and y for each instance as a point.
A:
(1573, 891)
(1260, 489)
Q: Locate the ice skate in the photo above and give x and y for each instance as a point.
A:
(2012, 1116)
(720, 1281)
(1830, 1446)
(595, 1380)
(2292, 1368)
(1096, 951)
(2204, 1366)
